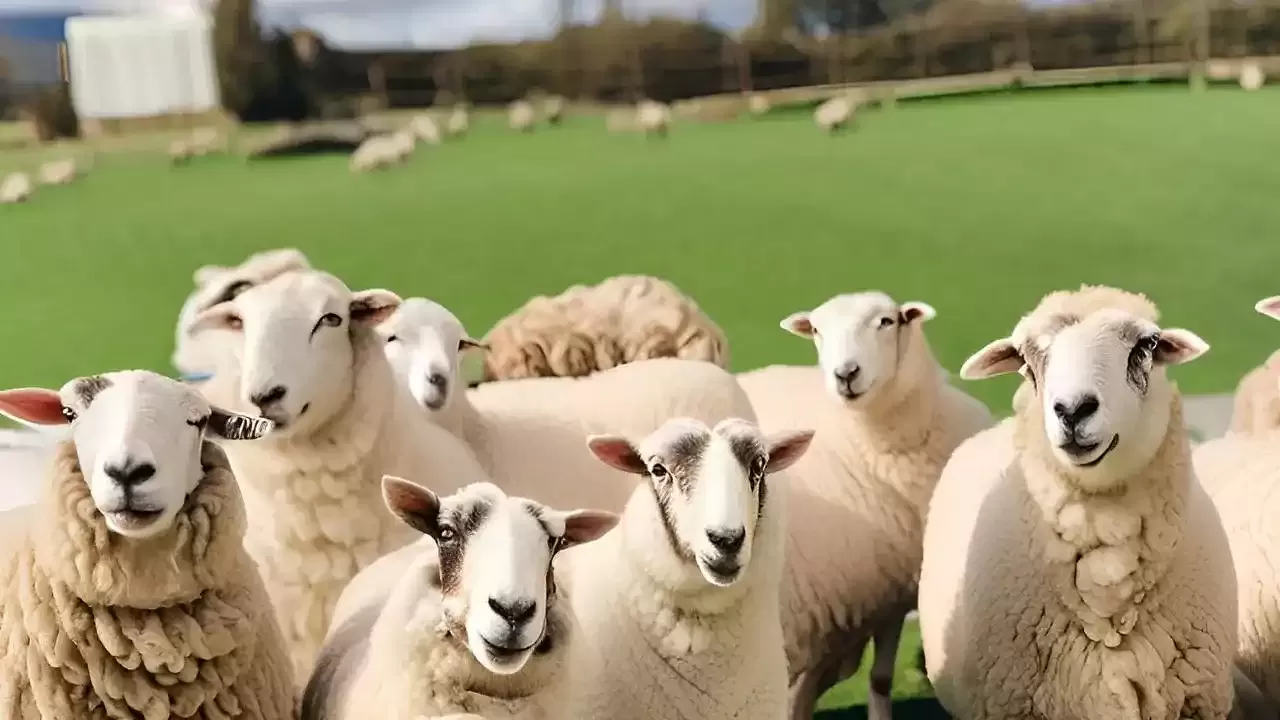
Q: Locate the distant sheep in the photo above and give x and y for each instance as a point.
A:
(402, 144)
(759, 104)
(459, 122)
(1251, 76)
(426, 129)
(15, 188)
(836, 113)
(180, 151)
(375, 153)
(58, 172)
(522, 117)
(589, 328)
(653, 118)
(553, 109)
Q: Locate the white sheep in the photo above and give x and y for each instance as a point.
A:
(1095, 579)
(425, 344)
(1251, 76)
(653, 118)
(759, 104)
(1256, 406)
(475, 622)
(58, 172)
(15, 188)
(426, 129)
(888, 420)
(553, 109)
(522, 116)
(376, 152)
(404, 141)
(195, 356)
(679, 605)
(128, 592)
(459, 121)
(836, 113)
(305, 355)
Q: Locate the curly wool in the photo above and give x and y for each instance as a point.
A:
(177, 626)
(1256, 406)
(590, 328)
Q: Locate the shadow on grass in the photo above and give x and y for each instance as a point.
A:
(913, 709)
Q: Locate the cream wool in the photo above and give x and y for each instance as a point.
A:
(176, 626)
(1085, 592)
(1256, 405)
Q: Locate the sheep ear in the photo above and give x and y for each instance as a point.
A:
(786, 448)
(1177, 346)
(33, 406)
(416, 506)
(583, 526)
(1269, 307)
(221, 316)
(997, 358)
(230, 425)
(371, 307)
(798, 324)
(914, 311)
(207, 274)
(466, 343)
(617, 452)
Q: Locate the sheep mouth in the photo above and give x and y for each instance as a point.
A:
(722, 572)
(133, 518)
(1079, 451)
(432, 403)
(503, 652)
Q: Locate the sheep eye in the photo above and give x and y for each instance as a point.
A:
(393, 338)
(199, 423)
(234, 322)
(886, 322)
(69, 414)
(331, 320)
(757, 467)
(1150, 343)
(659, 471)
(448, 534)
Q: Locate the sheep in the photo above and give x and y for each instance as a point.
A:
(653, 118)
(459, 122)
(15, 188)
(522, 116)
(1095, 577)
(194, 356)
(425, 128)
(889, 421)
(180, 151)
(759, 104)
(129, 591)
(475, 623)
(588, 328)
(58, 172)
(376, 152)
(1251, 76)
(836, 113)
(424, 343)
(679, 604)
(304, 353)
(402, 143)
(553, 109)
(1257, 399)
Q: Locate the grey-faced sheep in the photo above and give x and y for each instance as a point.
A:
(476, 622)
(888, 419)
(1256, 406)
(304, 354)
(679, 604)
(15, 188)
(129, 593)
(1095, 577)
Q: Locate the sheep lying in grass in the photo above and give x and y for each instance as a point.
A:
(888, 420)
(589, 328)
(1257, 399)
(836, 113)
(195, 356)
(679, 605)
(522, 117)
(1096, 579)
(459, 121)
(476, 622)
(58, 172)
(426, 129)
(15, 188)
(653, 118)
(305, 354)
(128, 591)
(553, 109)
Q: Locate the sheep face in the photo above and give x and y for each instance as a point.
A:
(861, 338)
(423, 344)
(1100, 380)
(495, 563)
(295, 341)
(709, 485)
(138, 437)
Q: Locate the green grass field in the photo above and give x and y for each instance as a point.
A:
(977, 205)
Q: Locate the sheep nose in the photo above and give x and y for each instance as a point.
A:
(130, 473)
(437, 380)
(515, 612)
(848, 372)
(727, 540)
(1071, 414)
(268, 397)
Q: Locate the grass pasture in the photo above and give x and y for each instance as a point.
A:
(978, 205)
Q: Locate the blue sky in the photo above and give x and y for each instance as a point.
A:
(416, 23)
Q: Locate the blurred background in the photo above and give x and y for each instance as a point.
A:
(995, 150)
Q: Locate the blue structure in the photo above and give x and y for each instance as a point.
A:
(29, 47)
(50, 28)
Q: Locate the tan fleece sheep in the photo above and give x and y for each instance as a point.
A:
(888, 419)
(475, 621)
(1257, 399)
(522, 116)
(58, 172)
(306, 355)
(1095, 579)
(653, 118)
(15, 188)
(588, 328)
(459, 122)
(130, 594)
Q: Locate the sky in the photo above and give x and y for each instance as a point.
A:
(386, 24)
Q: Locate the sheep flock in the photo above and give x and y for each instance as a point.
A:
(323, 519)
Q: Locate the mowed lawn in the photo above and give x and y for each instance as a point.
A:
(976, 205)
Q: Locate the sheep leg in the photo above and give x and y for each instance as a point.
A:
(812, 683)
(880, 694)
